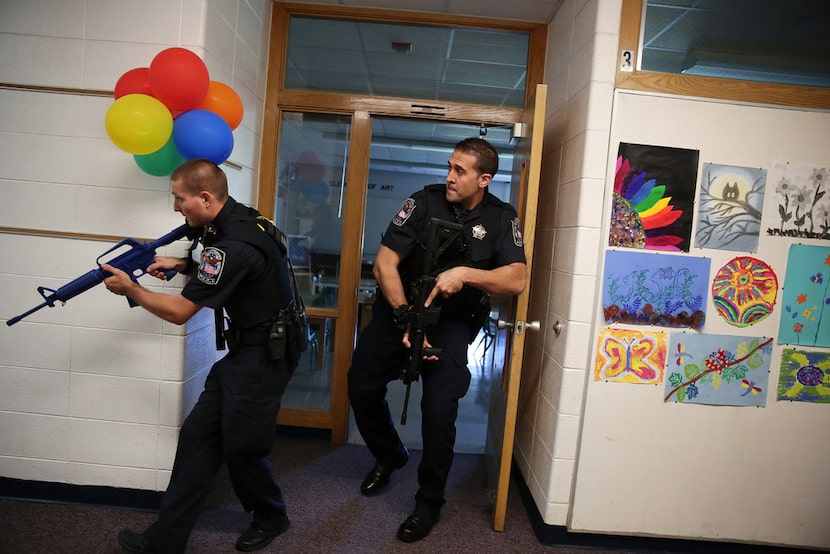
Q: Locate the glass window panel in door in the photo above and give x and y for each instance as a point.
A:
(310, 188)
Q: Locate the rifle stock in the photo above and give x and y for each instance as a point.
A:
(133, 262)
(441, 235)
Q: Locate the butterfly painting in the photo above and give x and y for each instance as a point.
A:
(630, 356)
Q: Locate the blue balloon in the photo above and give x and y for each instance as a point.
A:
(203, 134)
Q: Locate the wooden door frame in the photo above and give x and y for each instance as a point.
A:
(528, 189)
(362, 109)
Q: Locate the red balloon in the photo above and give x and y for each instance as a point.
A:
(134, 81)
(224, 102)
(179, 78)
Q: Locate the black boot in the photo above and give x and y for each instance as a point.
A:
(378, 478)
(419, 524)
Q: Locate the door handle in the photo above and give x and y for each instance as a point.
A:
(519, 326)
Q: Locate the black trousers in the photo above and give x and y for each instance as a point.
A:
(233, 421)
(378, 360)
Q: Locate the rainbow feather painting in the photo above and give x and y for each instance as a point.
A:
(654, 189)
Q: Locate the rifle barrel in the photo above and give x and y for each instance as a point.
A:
(405, 403)
(17, 318)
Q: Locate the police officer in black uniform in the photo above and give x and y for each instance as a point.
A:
(243, 271)
(489, 260)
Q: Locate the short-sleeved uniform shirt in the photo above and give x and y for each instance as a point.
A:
(492, 232)
(240, 270)
(492, 228)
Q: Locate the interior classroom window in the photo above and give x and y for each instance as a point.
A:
(430, 62)
(758, 51)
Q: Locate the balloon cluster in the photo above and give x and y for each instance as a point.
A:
(171, 112)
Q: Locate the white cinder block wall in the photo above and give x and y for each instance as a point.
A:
(582, 49)
(94, 392)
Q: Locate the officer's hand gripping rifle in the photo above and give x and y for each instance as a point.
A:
(133, 262)
(442, 234)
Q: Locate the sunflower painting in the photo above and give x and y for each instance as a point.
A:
(805, 376)
(653, 203)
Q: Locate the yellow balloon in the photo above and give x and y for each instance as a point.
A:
(138, 123)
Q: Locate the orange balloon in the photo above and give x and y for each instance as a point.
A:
(224, 102)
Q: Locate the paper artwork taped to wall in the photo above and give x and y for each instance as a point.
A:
(801, 202)
(655, 289)
(805, 314)
(718, 369)
(630, 356)
(804, 376)
(744, 291)
(729, 208)
(654, 192)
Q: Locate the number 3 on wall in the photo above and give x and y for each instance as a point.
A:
(627, 60)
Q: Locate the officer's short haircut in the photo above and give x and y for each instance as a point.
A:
(488, 158)
(200, 174)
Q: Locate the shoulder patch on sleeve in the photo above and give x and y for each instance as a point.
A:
(517, 232)
(404, 213)
(213, 262)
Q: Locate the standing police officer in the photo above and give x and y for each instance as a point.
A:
(490, 261)
(242, 271)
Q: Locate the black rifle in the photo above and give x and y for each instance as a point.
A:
(442, 234)
(133, 262)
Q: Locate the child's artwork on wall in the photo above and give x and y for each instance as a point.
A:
(744, 291)
(654, 192)
(630, 356)
(729, 208)
(805, 318)
(801, 202)
(718, 369)
(805, 376)
(655, 289)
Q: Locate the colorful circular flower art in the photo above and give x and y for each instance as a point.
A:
(744, 291)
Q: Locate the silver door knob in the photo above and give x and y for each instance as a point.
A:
(519, 326)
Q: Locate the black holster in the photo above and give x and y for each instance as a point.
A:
(288, 336)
